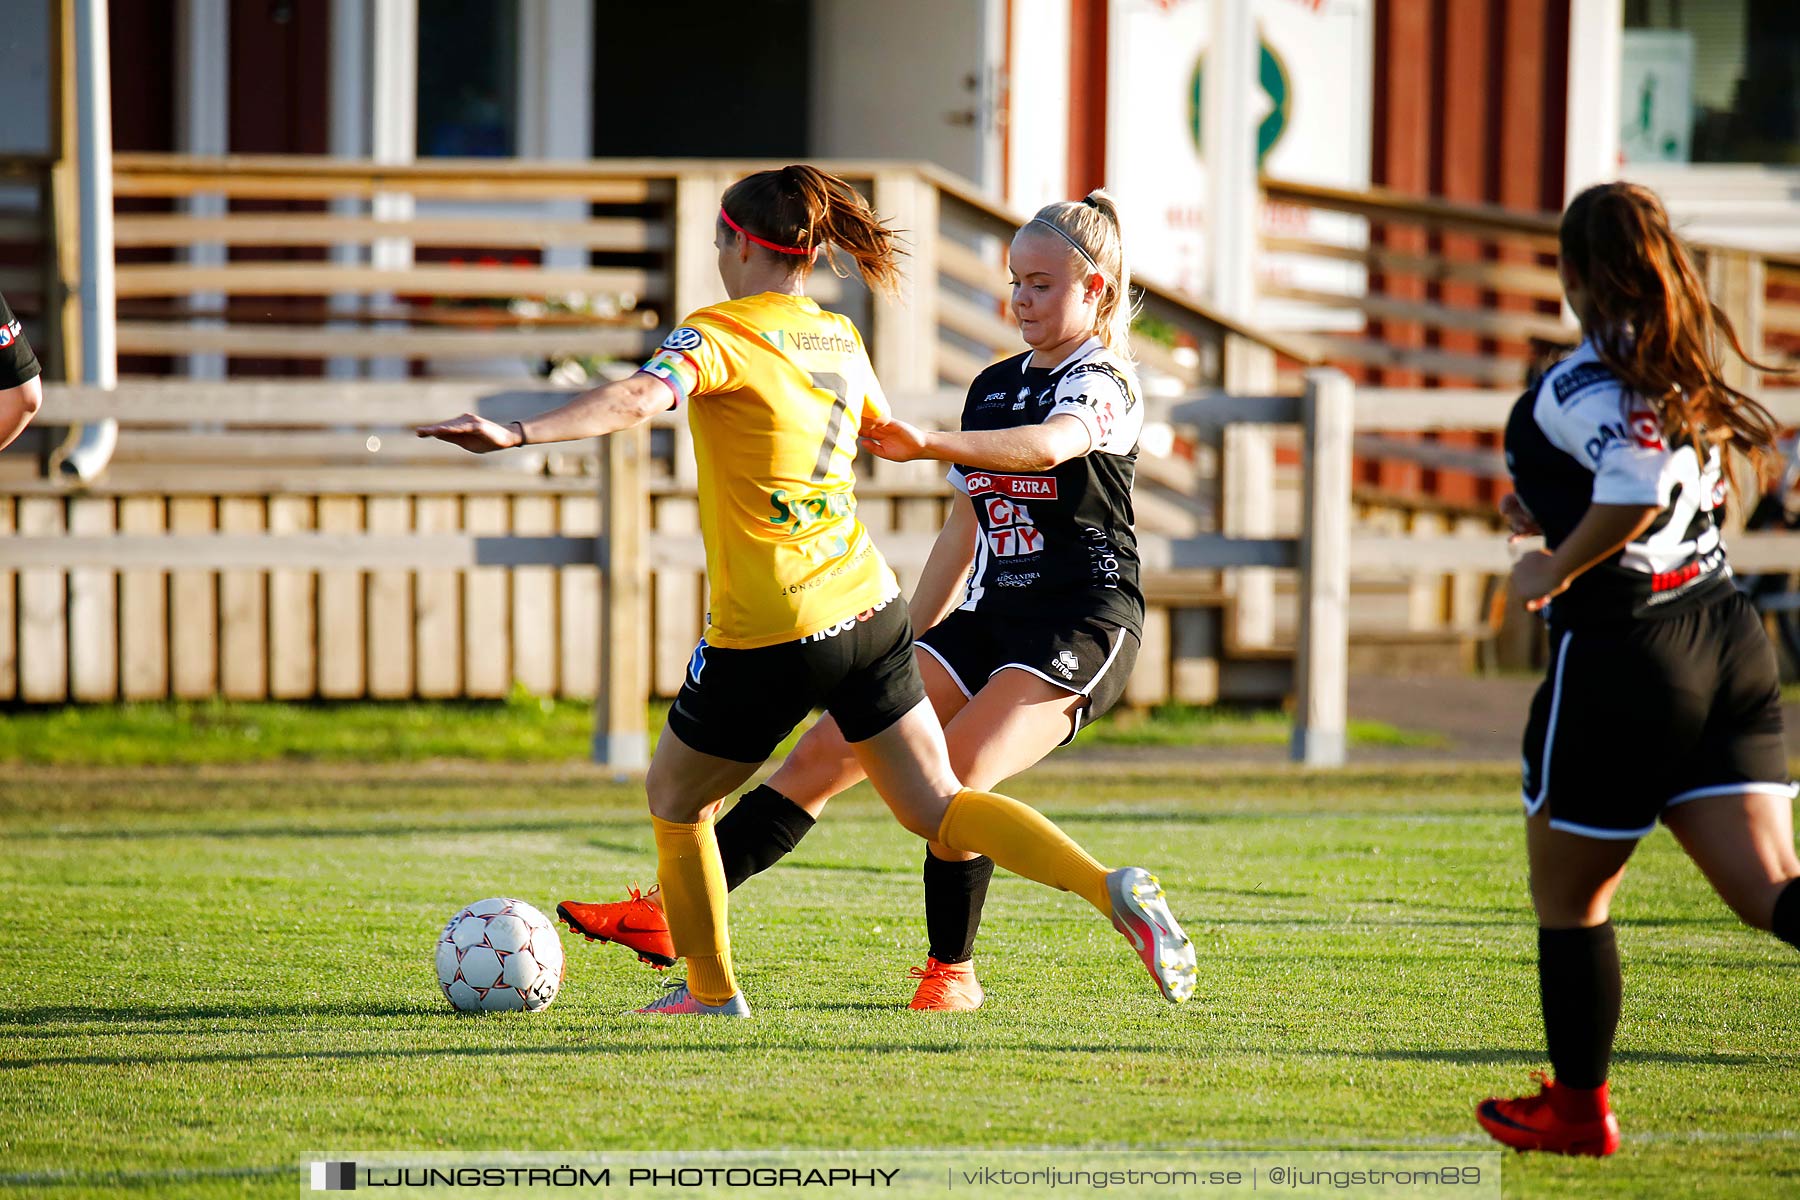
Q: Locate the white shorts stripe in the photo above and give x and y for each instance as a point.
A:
(1606, 835)
(948, 669)
(1543, 793)
(1785, 790)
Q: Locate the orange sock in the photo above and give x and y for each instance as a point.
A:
(1025, 842)
(693, 900)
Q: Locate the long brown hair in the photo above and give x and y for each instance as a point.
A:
(1652, 322)
(1091, 227)
(804, 208)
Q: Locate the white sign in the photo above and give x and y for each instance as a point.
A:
(1656, 96)
(1313, 108)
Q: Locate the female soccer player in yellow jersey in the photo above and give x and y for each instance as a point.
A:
(804, 610)
(1030, 602)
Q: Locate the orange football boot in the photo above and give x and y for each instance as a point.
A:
(947, 987)
(1561, 1120)
(637, 924)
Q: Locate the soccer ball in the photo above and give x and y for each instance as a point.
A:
(499, 955)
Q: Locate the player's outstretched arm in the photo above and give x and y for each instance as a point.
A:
(606, 409)
(17, 406)
(1025, 448)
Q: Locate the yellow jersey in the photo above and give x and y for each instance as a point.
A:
(776, 391)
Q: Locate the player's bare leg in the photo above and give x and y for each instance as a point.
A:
(1014, 720)
(1573, 878)
(909, 765)
(822, 764)
(1744, 844)
(758, 831)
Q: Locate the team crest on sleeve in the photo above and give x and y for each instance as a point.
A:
(686, 337)
(9, 333)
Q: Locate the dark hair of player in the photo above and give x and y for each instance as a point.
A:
(793, 211)
(1652, 322)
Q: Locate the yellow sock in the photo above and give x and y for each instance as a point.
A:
(693, 900)
(1025, 842)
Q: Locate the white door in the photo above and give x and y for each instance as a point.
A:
(915, 80)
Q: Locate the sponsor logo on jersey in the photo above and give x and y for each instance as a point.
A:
(803, 510)
(1002, 512)
(829, 343)
(1017, 579)
(1576, 380)
(1023, 398)
(1605, 437)
(684, 338)
(1105, 412)
(1019, 487)
(1015, 541)
(9, 332)
(991, 398)
(1103, 560)
(1646, 430)
(831, 631)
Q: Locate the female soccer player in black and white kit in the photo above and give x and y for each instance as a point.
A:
(1030, 598)
(1662, 699)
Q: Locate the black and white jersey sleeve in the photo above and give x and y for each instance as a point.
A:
(18, 365)
(1058, 543)
(1582, 438)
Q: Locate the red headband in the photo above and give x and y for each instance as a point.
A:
(726, 217)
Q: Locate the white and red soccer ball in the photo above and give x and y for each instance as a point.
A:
(499, 955)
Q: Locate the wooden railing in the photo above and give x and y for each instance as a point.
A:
(458, 263)
(1457, 294)
(293, 539)
(1443, 295)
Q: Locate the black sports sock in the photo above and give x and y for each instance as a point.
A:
(761, 829)
(1580, 983)
(954, 894)
(1786, 922)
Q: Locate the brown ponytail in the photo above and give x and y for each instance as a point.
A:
(805, 208)
(1652, 322)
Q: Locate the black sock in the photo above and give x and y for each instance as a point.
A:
(954, 894)
(1786, 922)
(762, 828)
(1579, 981)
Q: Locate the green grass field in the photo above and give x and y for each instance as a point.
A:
(523, 728)
(213, 970)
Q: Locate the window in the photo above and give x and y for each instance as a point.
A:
(1711, 81)
(468, 78)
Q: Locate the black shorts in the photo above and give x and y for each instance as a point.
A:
(1088, 656)
(1643, 715)
(739, 704)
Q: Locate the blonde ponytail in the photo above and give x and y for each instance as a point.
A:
(1091, 227)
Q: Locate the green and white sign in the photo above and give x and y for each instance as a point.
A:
(1656, 96)
(1311, 103)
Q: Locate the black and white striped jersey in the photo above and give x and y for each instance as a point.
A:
(1058, 543)
(1580, 438)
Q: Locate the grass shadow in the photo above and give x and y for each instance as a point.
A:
(59, 1014)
